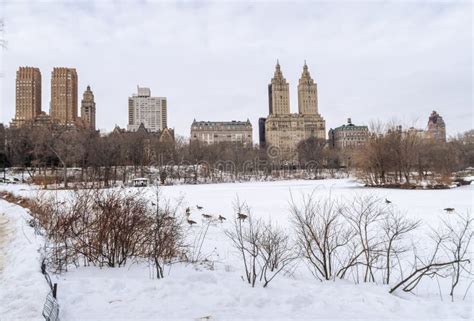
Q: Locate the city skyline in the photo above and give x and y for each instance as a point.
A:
(218, 79)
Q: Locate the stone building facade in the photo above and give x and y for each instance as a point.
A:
(222, 131)
(348, 136)
(88, 108)
(150, 111)
(28, 95)
(63, 107)
(283, 129)
(436, 128)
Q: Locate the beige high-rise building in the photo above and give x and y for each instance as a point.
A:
(88, 108)
(28, 95)
(63, 107)
(307, 93)
(279, 93)
(283, 129)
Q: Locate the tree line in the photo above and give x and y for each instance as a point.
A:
(404, 158)
(389, 157)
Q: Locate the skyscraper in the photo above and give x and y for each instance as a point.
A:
(28, 94)
(307, 93)
(278, 93)
(147, 110)
(63, 107)
(88, 108)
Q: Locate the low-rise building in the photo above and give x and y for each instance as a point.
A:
(348, 136)
(222, 131)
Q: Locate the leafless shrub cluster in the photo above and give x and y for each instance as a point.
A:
(450, 257)
(321, 235)
(265, 249)
(367, 240)
(108, 228)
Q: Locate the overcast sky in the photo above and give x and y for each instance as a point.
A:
(213, 61)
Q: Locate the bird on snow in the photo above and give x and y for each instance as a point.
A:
(191, 222)
(221, 218)
(241, 216)
(387, 201)
(188, 211)
(199, 207)
(449, 209)
(153, 203)
(207, 216)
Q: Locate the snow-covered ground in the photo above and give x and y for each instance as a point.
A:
(23, 288)
(217, 291)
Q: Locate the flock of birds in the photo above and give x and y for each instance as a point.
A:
(221, 218)
(242, 217)
(447, 209)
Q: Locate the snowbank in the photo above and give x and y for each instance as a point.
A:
(23, 288)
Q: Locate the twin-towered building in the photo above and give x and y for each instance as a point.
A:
(64, 100)
(284, 130)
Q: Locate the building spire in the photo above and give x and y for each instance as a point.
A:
(305, 76)
(278, 74)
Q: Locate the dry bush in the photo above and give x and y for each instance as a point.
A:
(364, 214)
(107, 228)
(322, 235)
(363, 238)
(164, 239)
(450, 257)
(265, 249)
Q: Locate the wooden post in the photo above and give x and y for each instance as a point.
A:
(55, 290)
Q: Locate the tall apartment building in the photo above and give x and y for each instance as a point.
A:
(436, 127)
(63, 107)
(283, 129)
(348, 136)
(221, 131)
(28, 95)
(147, 110)
(278, 93)
(307, 94)
(88, 108)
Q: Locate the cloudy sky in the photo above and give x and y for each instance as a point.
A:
(372, 60)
